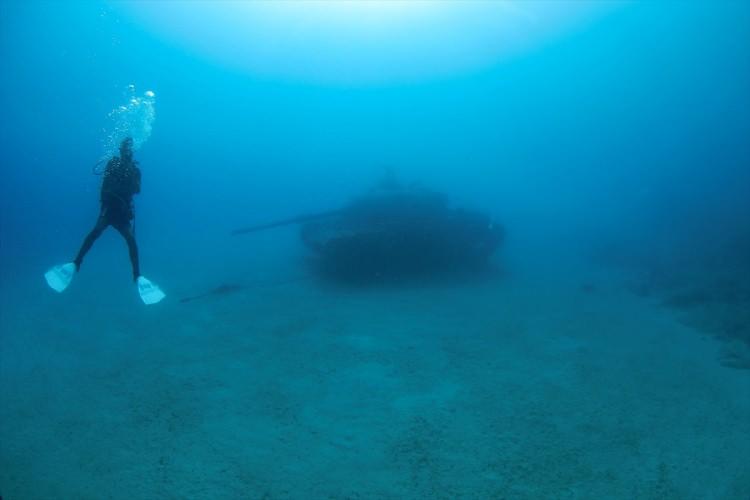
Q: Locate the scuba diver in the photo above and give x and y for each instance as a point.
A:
(121, 181)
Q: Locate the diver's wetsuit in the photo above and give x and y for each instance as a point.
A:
(122, 179)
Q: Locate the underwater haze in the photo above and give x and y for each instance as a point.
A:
(571, 320)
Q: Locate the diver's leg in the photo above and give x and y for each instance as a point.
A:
(101, 225)
(126, 230)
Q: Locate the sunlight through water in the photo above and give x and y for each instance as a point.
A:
(365, 42)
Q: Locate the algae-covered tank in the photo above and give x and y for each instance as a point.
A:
(394, 234)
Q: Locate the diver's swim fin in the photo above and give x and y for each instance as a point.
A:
(59, 277)
(150, 292)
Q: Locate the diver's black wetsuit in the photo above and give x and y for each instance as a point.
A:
(122, 179)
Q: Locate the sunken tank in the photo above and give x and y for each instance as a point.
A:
(395, 234)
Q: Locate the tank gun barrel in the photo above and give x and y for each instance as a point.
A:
(287, 222)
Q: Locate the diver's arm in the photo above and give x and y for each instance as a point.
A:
(112, 165)
(136, 180)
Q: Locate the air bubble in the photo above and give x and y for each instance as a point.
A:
(131, 120)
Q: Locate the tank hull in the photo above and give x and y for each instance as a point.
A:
(400, 236)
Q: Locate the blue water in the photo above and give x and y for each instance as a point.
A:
(606, 354)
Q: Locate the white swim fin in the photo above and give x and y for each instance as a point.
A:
(150, 292)
(59, 277)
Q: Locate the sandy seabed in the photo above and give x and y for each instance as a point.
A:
(520, 386)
